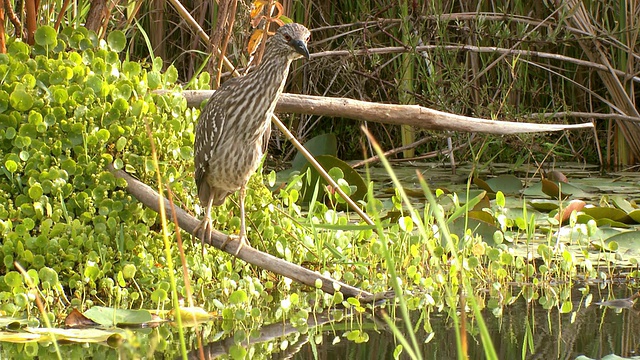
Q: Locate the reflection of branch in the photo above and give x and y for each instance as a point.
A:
(150, 198)
(267, 333)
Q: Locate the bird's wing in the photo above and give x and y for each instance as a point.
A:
(208, 134)
(266, 136)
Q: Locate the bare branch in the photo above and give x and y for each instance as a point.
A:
(415, 115)
(150, 198)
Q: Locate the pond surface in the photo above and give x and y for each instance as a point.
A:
(592, 331)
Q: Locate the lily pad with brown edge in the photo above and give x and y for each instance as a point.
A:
(482, 184)
(611, 223)
(552, 189)
(110, 336)
(329, 162)
(574, 205)
(621, 203)
(608, 213)
(544, 205)
(482, 216)
(111, 317)
(556, 175)
(483, 204)
(508, 184)
(76, 319)
(635, 215)
(415, 193)
(536, 191)
(473, 195)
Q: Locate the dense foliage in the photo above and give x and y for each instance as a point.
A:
(67, 220)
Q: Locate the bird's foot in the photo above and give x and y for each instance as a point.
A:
(204, 228)
(241, 238)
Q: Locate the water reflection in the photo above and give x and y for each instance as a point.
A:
(523, 331)
(593, 331)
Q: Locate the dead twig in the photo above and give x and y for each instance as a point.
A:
(477, 49)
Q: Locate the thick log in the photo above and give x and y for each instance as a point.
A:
(150, 198)
(413, 115)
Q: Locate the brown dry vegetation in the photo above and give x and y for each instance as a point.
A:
(563, 61)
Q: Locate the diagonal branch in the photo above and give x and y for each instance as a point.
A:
(150, 198)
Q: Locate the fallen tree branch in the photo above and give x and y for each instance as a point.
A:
(150, 198)
(413, 115)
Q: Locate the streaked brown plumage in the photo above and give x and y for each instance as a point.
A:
(234, 127)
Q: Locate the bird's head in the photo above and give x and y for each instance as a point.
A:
(292, 39)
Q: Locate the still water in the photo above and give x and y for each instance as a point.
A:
(592, 331)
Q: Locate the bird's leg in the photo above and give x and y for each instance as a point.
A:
(242, 215)
(205, 226)
(242, 237)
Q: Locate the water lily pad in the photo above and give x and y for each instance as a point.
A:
(324, 144)
(536, 190)
(79, 335)
(508, 184)
(111, 317)
(482, 184)
(477, 226)
(544, 205)
(552, 189)
(464, 209)
(624, 205)
(482, 216)
(611, 223)
(627, 243)
(557, 176)
(608, 213)
(635, 215)
(329, 162)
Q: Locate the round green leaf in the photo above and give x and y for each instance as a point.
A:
(238, 297)
(46, 36)
(11, 166)
(117, 40)
(13, 279)
(21, 100)
(35, 192)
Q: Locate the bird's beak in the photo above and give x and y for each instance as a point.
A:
(300, 47)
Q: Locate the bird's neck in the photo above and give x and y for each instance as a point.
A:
(271, 75)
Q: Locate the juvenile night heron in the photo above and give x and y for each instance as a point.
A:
(234, 127)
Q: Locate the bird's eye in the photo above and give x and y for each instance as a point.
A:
(287, 37)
